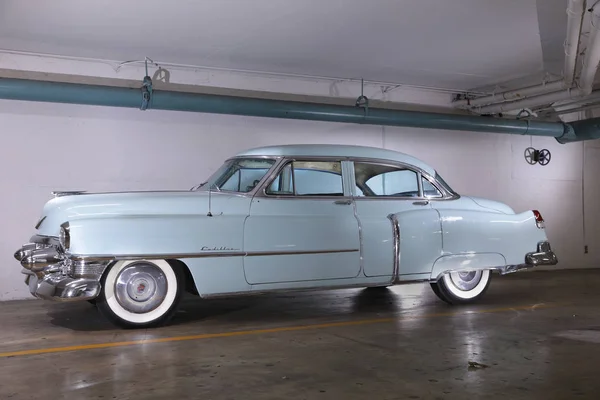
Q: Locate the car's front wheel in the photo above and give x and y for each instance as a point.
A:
(462, 287)
(141, 293)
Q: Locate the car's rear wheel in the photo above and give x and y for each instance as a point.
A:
(463, 286)
(141, 293)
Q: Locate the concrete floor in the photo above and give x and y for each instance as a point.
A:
(535, 336)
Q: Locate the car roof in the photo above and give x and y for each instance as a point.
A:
(337, 150)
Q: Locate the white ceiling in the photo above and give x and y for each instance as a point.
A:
(458, 44)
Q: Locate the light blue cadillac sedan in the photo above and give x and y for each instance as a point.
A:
(278, 218)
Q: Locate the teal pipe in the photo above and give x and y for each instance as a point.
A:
(75, 93)
(585, 129)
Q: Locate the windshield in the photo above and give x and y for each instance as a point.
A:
(239, 174)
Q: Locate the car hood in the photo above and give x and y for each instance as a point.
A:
(72, 206)
(492, 205)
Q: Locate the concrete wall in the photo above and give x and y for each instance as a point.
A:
(48, 147)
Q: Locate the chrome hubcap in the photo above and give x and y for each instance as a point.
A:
(140, 287)
(466, 280)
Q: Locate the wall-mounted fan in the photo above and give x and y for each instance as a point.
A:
(534, 156)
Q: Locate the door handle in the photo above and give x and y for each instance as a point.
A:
(343, 202)
(421, 203)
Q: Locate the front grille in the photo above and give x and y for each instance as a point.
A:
(82, 269)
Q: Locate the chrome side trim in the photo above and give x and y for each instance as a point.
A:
(396, 246)
(287, 253)
(67, 193)
(206, 254)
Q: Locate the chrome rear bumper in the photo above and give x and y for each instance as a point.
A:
(543, 256)
(52, 275)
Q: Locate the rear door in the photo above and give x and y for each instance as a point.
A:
(383, 190)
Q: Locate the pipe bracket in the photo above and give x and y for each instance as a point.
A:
(146, 92)
(363, 102)
(568, 135)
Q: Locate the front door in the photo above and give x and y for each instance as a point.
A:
(303, 226)
(383, 190)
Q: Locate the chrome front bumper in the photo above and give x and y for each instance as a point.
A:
(52, 275)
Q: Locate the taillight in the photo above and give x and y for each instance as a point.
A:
(539, 220)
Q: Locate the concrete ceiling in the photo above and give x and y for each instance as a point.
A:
(460, 44)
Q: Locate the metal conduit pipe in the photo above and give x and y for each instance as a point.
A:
(511, 95)
(577, 109)
(593, 97)
(531, 101)
(591, 61)
(74, 93)
(575, 13)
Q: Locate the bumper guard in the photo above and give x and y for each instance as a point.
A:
(52, 275)
(543, 256)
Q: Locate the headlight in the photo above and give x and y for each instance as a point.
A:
(64, 237)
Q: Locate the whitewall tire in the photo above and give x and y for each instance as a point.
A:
(462, 287)
(141, 293)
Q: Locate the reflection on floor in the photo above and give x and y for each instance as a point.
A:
(534, 336)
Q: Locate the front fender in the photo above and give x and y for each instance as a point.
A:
(160, 235)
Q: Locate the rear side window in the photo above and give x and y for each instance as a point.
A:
(429, 190)
(309, 178)
(373, 180)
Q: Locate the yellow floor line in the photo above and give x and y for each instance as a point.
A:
(531, 307)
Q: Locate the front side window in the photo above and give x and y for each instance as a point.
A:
(308, 178)
(384, 180)
(239, 175)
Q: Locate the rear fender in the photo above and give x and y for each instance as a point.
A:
(466, 262)
(512, 236)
